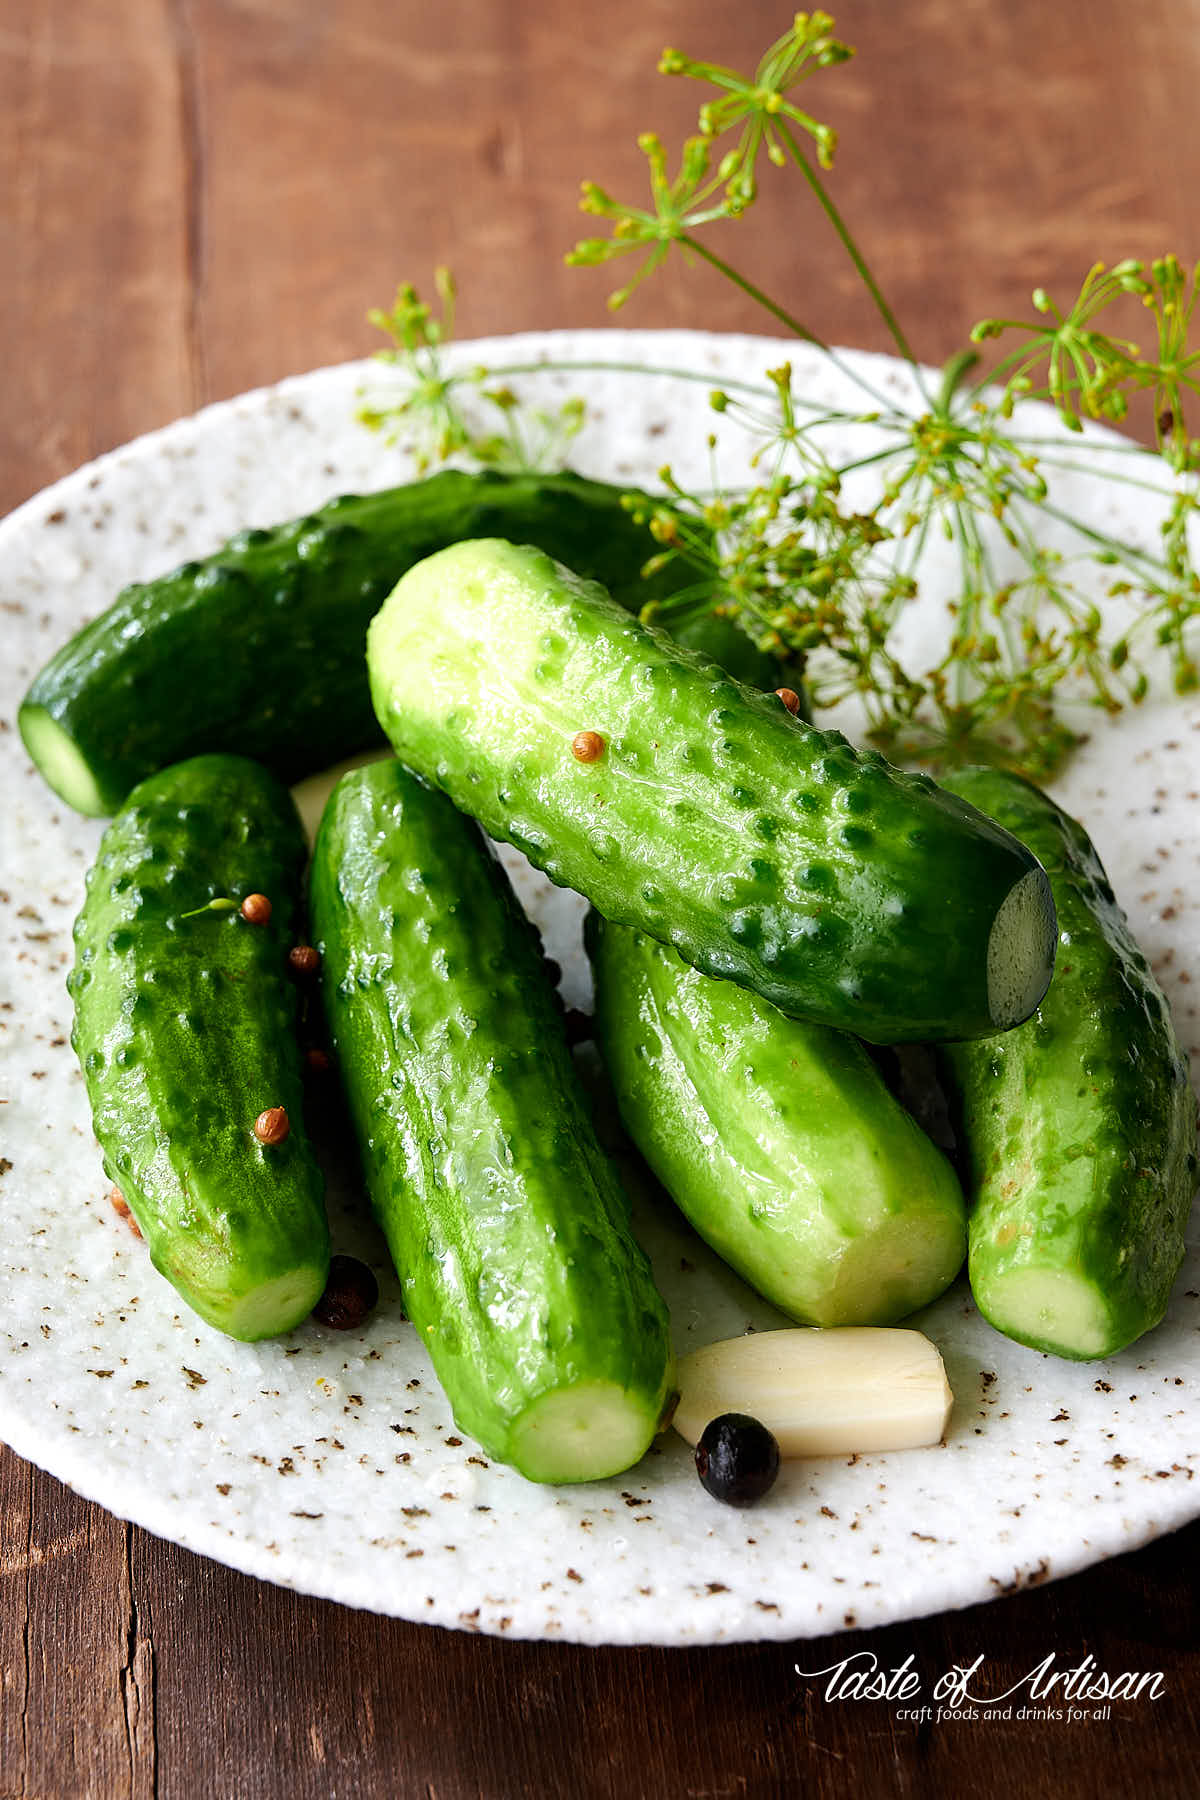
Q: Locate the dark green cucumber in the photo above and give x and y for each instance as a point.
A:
(186, 1031)
(767, 852)
(259, 648)
(779, 1140)
(715, 636)
(1078, 1129)
(508, 1227)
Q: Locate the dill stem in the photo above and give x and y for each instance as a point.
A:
(1026, 352)
(876, 456)
(885, 415)
(848, 244)
(953, 375)
(969, 599)
(755, 293)
(1126, 554)
(784, 317)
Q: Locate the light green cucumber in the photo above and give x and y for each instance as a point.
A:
(185, 1026)
(779, 1140)
(768, 853)
(1078, 1130)
(507, 1225)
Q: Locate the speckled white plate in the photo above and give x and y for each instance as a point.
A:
(330, 1463)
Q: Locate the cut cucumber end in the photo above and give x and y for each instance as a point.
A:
(61, 762)
(1020, 952)
(1049, 1309)
(270, 1310)
(586, 1432)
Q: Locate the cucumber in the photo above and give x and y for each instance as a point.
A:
(1078, 1129)
(768, 853)
(186, 1031)
(508, 1227)
(779, 1140)
(259, 649)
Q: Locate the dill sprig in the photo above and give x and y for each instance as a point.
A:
(1049, 609)
(1090, 372)
(438, 412)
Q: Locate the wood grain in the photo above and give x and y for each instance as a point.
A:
(151, 1671)
(198, 196)
(209, 194)
(91, 237)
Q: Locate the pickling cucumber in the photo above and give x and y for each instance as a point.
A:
(768, 853)
(259, 648)
(185, 1026)
(508, 1227)
(1079, 1128)
(779, 1140)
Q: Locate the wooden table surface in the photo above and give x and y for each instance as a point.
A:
(200, 196)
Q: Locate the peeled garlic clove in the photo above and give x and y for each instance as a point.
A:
(821, 1392)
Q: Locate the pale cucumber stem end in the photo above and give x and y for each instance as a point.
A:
(268, 1311)
(587, 1432)
(1049, 1309)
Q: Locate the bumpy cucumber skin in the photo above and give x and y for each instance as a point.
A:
(1079, 1128)
(258, 649)
(779, 1140)
(507, 1225)
(186, 1031)
(768, 853)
